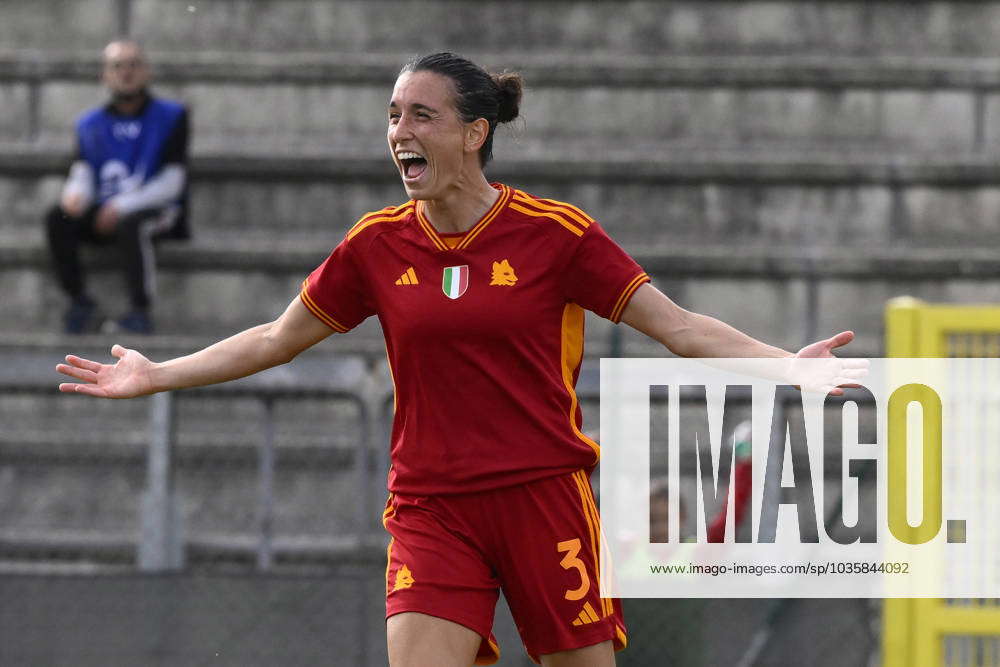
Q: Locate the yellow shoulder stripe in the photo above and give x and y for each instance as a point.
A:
(550, 216)
(388, 214)
(568, 210)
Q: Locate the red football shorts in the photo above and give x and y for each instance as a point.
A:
(449, 556)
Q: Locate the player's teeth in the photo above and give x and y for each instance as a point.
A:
(407, 156)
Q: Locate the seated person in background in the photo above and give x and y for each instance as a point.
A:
(126, 187)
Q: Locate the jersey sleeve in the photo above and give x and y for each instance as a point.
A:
(600, 276)
(337, 291)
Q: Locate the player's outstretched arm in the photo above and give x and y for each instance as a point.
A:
(246, 353)
(690, 334)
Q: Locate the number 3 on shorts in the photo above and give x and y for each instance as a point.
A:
(572, 548)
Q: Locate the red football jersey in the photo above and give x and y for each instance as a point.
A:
(483, 332)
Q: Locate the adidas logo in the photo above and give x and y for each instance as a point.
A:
(587, 615)
(408, 278)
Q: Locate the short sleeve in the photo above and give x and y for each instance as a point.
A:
(337, 291)
(600, 276)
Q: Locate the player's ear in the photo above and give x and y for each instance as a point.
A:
(475, 134)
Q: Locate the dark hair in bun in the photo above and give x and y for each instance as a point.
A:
(510, 86)
(478, 94)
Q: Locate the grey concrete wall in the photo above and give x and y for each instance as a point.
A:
(659, 215)
(326, 119)
(932, 28)
(191, 302)
(215, 303)
(317, 211)
(15, 122)
(58, 24)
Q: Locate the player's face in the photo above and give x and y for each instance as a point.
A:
(125, 69)
(426, 134)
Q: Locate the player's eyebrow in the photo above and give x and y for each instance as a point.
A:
(416, 106)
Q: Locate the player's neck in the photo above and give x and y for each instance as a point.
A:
(462, 207)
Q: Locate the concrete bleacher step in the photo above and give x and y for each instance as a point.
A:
(664, 198)
(954, 28)
(779, 148)
(862, 230)
(211, 292)
(924, 71)
(330, 104)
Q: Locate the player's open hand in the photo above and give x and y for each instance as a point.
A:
(829, 377)
(127, 378)
(822, 349)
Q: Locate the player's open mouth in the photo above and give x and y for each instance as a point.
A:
(413, 164)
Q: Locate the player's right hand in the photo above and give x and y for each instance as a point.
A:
(127, 378)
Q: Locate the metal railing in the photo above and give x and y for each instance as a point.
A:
(161, 542)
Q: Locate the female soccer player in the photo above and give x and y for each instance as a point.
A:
(480, 289)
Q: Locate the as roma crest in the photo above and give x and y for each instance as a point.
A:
(455, 281)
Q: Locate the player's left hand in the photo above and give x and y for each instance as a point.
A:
(127, 378)
(830, 378)
(822, 349)
(107, 219)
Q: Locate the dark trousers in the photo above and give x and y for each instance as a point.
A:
(133, 240)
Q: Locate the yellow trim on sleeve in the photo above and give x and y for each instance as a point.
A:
(616, 312)
(311, 305)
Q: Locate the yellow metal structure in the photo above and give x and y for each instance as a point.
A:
(930, 632)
